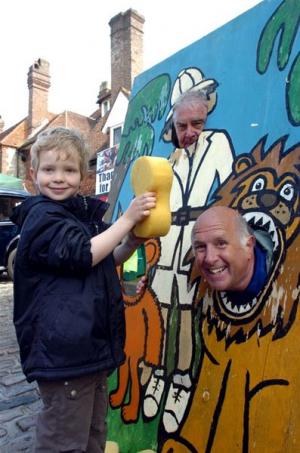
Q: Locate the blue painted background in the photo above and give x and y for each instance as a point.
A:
(245, 97)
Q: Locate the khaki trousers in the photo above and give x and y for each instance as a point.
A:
(73, 416)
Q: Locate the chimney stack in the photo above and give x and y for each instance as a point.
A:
(38, 83)
(1, 124)
(126, 49)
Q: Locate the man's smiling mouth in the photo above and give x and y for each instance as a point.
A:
(216, 270)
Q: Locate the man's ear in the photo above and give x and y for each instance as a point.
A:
(174, 138)
(251, 241)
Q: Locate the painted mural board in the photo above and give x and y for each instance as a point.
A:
(203, 374)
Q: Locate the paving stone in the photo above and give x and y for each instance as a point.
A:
(3, 432)
(13, 351)
(19, 400)
(9, 380)
(27, 422)
(9, 415)
(3, 373)
(7, 363)
(33, 408)
(20, 444)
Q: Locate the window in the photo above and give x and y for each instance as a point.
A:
(6, 206)
(117, 135)
(105, 106)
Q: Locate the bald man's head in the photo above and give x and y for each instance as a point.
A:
(223, 248)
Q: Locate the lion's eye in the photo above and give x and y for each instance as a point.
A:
(287, 191)
(258, 184)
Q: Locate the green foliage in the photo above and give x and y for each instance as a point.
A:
(173, 329)
(285, 24)
(144, 109)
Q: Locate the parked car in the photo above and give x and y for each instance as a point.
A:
(9, 232)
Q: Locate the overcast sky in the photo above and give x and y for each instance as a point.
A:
(74, 37)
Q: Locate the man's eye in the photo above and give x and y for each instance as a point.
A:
(222, 244)
(198, 124)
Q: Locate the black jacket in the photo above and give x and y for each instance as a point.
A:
(68, 315)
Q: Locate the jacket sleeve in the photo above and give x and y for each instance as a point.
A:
(57, 242)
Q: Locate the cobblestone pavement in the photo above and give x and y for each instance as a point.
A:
(19, 401)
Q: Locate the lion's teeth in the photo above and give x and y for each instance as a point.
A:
(256, 219)
(236, 308)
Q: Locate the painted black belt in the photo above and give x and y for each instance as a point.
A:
(185, 215)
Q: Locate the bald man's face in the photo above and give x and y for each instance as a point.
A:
(222, 260)
(189, 121)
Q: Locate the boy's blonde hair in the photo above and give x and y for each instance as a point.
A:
(62, 139)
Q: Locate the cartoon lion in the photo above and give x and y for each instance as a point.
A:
(143, 343)
(247, 396)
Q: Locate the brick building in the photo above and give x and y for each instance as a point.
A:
(98, 128)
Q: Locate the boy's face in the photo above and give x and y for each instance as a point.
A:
(58, 175)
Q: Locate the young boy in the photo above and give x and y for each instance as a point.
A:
(68, 310)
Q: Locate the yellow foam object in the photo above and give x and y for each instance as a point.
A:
(153, 174)
(111, 447)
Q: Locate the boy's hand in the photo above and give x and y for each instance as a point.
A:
(140, 207)
(134, 241)
(141, 284)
